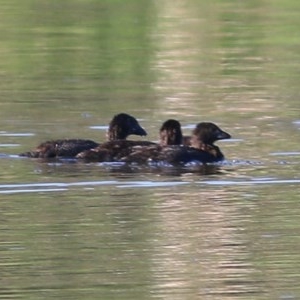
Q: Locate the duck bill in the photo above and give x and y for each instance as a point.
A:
(139, 131)
(223, 135)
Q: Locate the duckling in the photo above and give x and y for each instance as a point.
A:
(170, 133)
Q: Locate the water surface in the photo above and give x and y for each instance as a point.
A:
(71, 230)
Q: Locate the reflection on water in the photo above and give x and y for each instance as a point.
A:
(70, 230)
(199, 248)
(84, 230)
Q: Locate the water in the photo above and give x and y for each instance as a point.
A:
(71, 230)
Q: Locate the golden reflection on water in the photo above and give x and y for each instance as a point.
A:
(201, 246)
(178, 42)
(209, 64)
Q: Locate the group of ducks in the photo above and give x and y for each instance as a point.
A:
(173, 147)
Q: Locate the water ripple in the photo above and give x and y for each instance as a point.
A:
(99, 127)
(150, 184)
(251, 182)
(293, 153)
(62, 186)
(30, 191)
(58, 184)
(9, 145)
(13, 134)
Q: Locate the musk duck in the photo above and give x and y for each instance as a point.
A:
(111, 151)
(121, 126)
(202, 148)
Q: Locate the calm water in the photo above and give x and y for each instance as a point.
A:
(71, 230)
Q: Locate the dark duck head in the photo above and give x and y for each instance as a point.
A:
(170, 133)
(120, 127)
(205, 134)
(123, 125)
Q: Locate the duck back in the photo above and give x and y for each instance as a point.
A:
(176, 155)
(112, 151)
(60, 148)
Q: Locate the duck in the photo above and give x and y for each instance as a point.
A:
(114, 150)
(201, 148)
(170, 133)
(120, 127)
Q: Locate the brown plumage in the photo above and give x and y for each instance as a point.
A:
(169, 149)
(170, 134)
(202, 148)
(121, 126)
